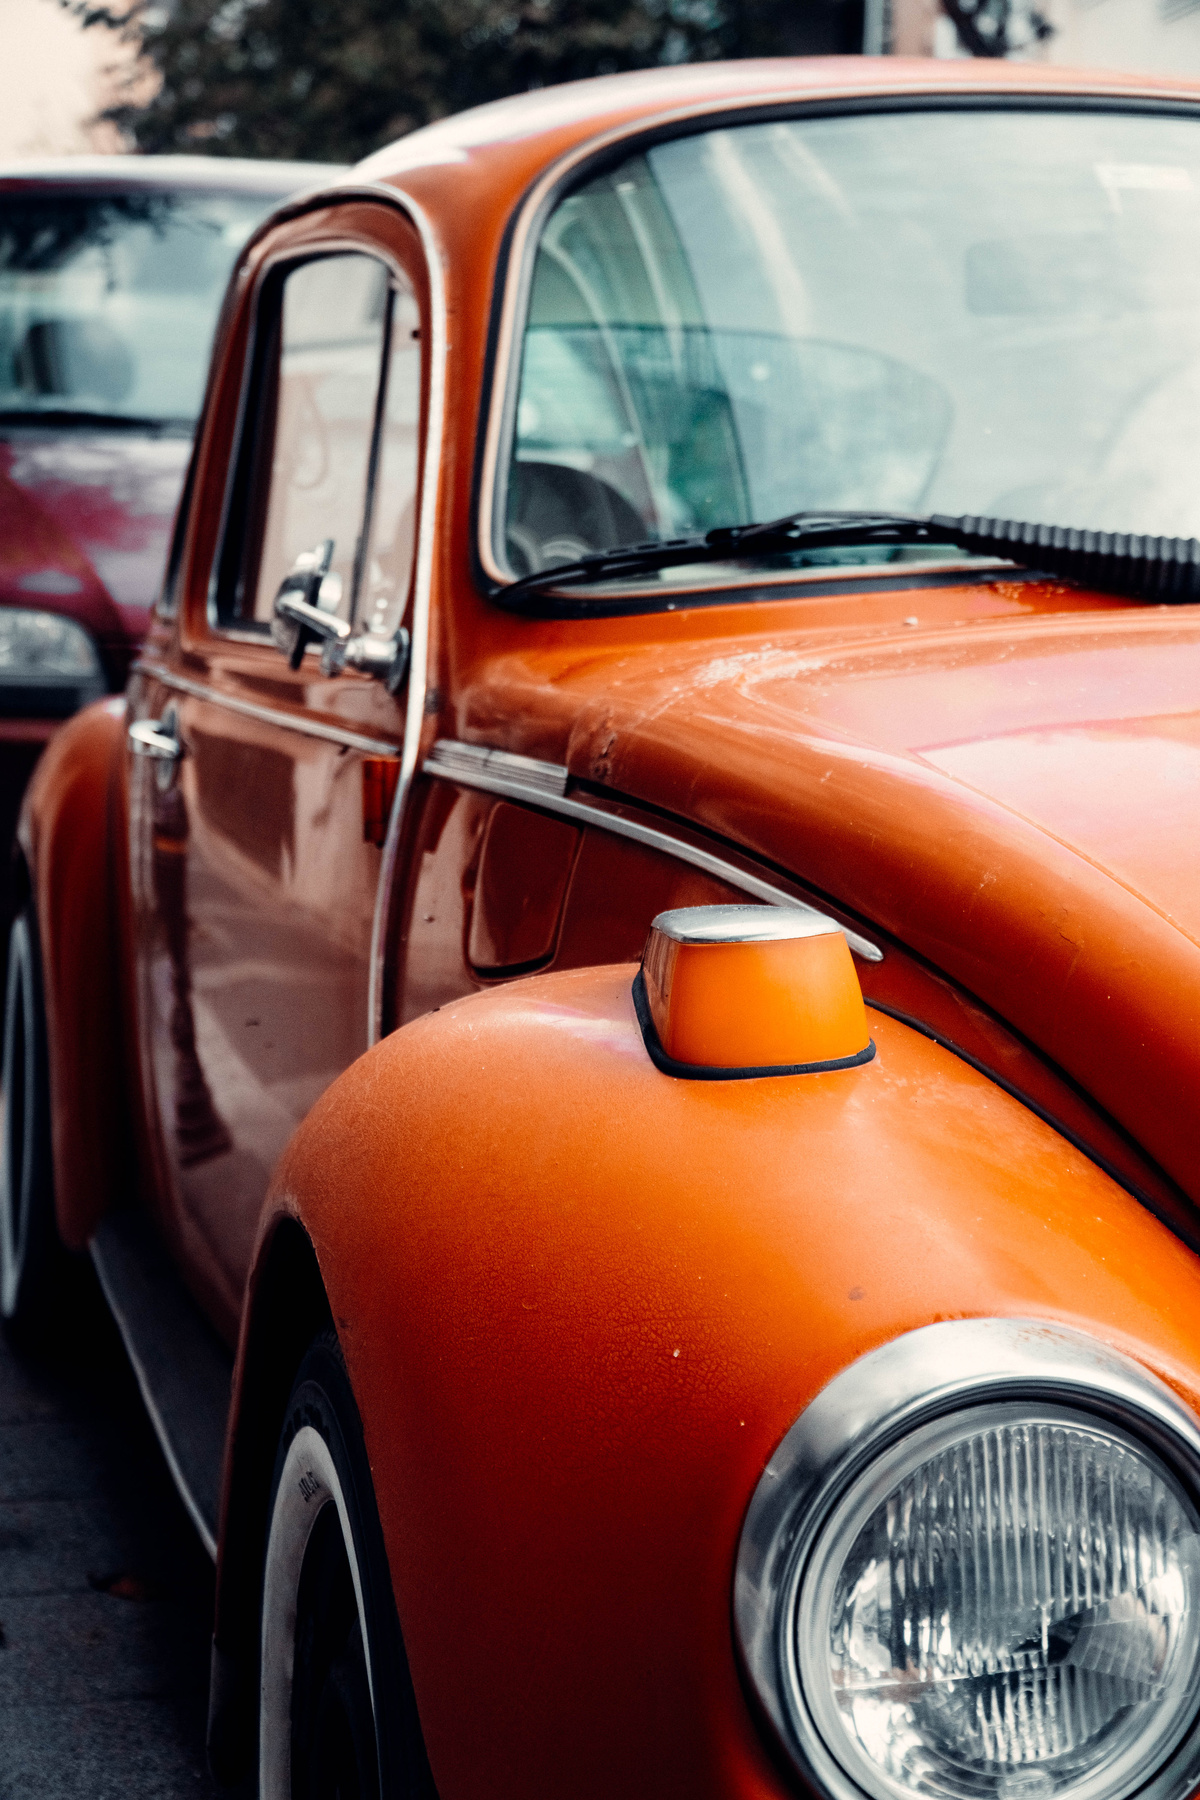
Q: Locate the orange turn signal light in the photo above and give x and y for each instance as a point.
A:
(750, 990)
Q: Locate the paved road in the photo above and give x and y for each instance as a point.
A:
(105, 1591)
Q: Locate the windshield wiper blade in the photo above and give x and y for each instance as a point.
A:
(728, 543)
(1148, 568)
(55, 418)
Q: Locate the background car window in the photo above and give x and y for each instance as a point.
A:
(388, 566)
(994, 313)
(333, 323)
(107, 302)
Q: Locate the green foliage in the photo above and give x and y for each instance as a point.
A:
(335, 79)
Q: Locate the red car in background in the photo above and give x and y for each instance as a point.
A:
(112, 269)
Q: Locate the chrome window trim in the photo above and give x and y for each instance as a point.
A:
(418, 669)
(422, 589)
(516, 267)
(285, 260)
(518, 276)
(871, 1405)
(266, 715)
(544, 785)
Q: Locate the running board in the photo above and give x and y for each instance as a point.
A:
(182, 1367)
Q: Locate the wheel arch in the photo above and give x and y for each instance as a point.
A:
(73, 862)
(581, 1302)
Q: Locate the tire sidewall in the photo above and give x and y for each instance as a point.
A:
(322, 1400)
(28, 1232)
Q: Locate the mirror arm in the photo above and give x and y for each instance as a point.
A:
(297, 624)
(386, 658)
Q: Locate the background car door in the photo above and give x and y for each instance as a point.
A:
(256, 841)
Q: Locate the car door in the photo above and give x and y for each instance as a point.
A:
(260, 781)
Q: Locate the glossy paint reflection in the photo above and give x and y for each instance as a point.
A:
(254, 951)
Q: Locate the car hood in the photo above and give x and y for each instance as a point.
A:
(1018, 804)
(85, 519)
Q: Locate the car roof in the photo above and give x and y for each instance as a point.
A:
(221, 174)
(555, 119)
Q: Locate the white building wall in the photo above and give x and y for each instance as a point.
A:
(1160, 37)
(56, 77)
(1156, 36)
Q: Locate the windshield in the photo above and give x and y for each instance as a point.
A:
(108, 301)
(964, 311)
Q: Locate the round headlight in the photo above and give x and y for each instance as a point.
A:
(1005, 1604)
(985, 1584)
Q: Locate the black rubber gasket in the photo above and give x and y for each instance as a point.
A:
(713, 1072)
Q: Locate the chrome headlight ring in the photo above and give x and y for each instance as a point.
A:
(858, 1426)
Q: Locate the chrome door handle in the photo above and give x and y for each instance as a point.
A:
(147, 738)
(298, 623)
(298, 616)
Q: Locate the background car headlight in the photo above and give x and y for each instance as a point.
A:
(49, 665)
(986, 1583)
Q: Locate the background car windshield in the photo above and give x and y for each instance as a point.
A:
(957, 311)
(108, 302)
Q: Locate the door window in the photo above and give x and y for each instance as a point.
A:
(332, 326)
(330, 455)
(394, 514)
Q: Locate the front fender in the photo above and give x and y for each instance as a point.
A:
(581, 1303)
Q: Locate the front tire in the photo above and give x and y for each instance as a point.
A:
(337, 1718)
(31, 1255)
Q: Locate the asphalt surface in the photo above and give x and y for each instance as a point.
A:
(105, 1590)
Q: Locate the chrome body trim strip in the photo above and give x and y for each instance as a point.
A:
(871, 1406)
(266, 715)
(477, 766)
(544, 784)
(418, 667)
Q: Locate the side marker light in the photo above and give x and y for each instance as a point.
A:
(729, 991)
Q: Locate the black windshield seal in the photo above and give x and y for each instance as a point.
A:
(1156, 570)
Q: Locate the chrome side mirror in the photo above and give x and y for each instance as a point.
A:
(386, 658)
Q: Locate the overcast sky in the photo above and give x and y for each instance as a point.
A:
(54, 81)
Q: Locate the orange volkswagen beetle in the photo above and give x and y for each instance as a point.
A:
(618, 1005)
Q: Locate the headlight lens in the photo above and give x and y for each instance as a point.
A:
(1003, 1604)
(43, 646)
(49, 665)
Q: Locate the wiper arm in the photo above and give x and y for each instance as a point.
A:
(1149, 568)
(57, 417)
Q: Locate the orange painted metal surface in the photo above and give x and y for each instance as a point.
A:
(747, 1005)
(525, 863)
(72, 835)
(1065, 904)
(380, 777)
(579, 1330)
(581, 1302)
